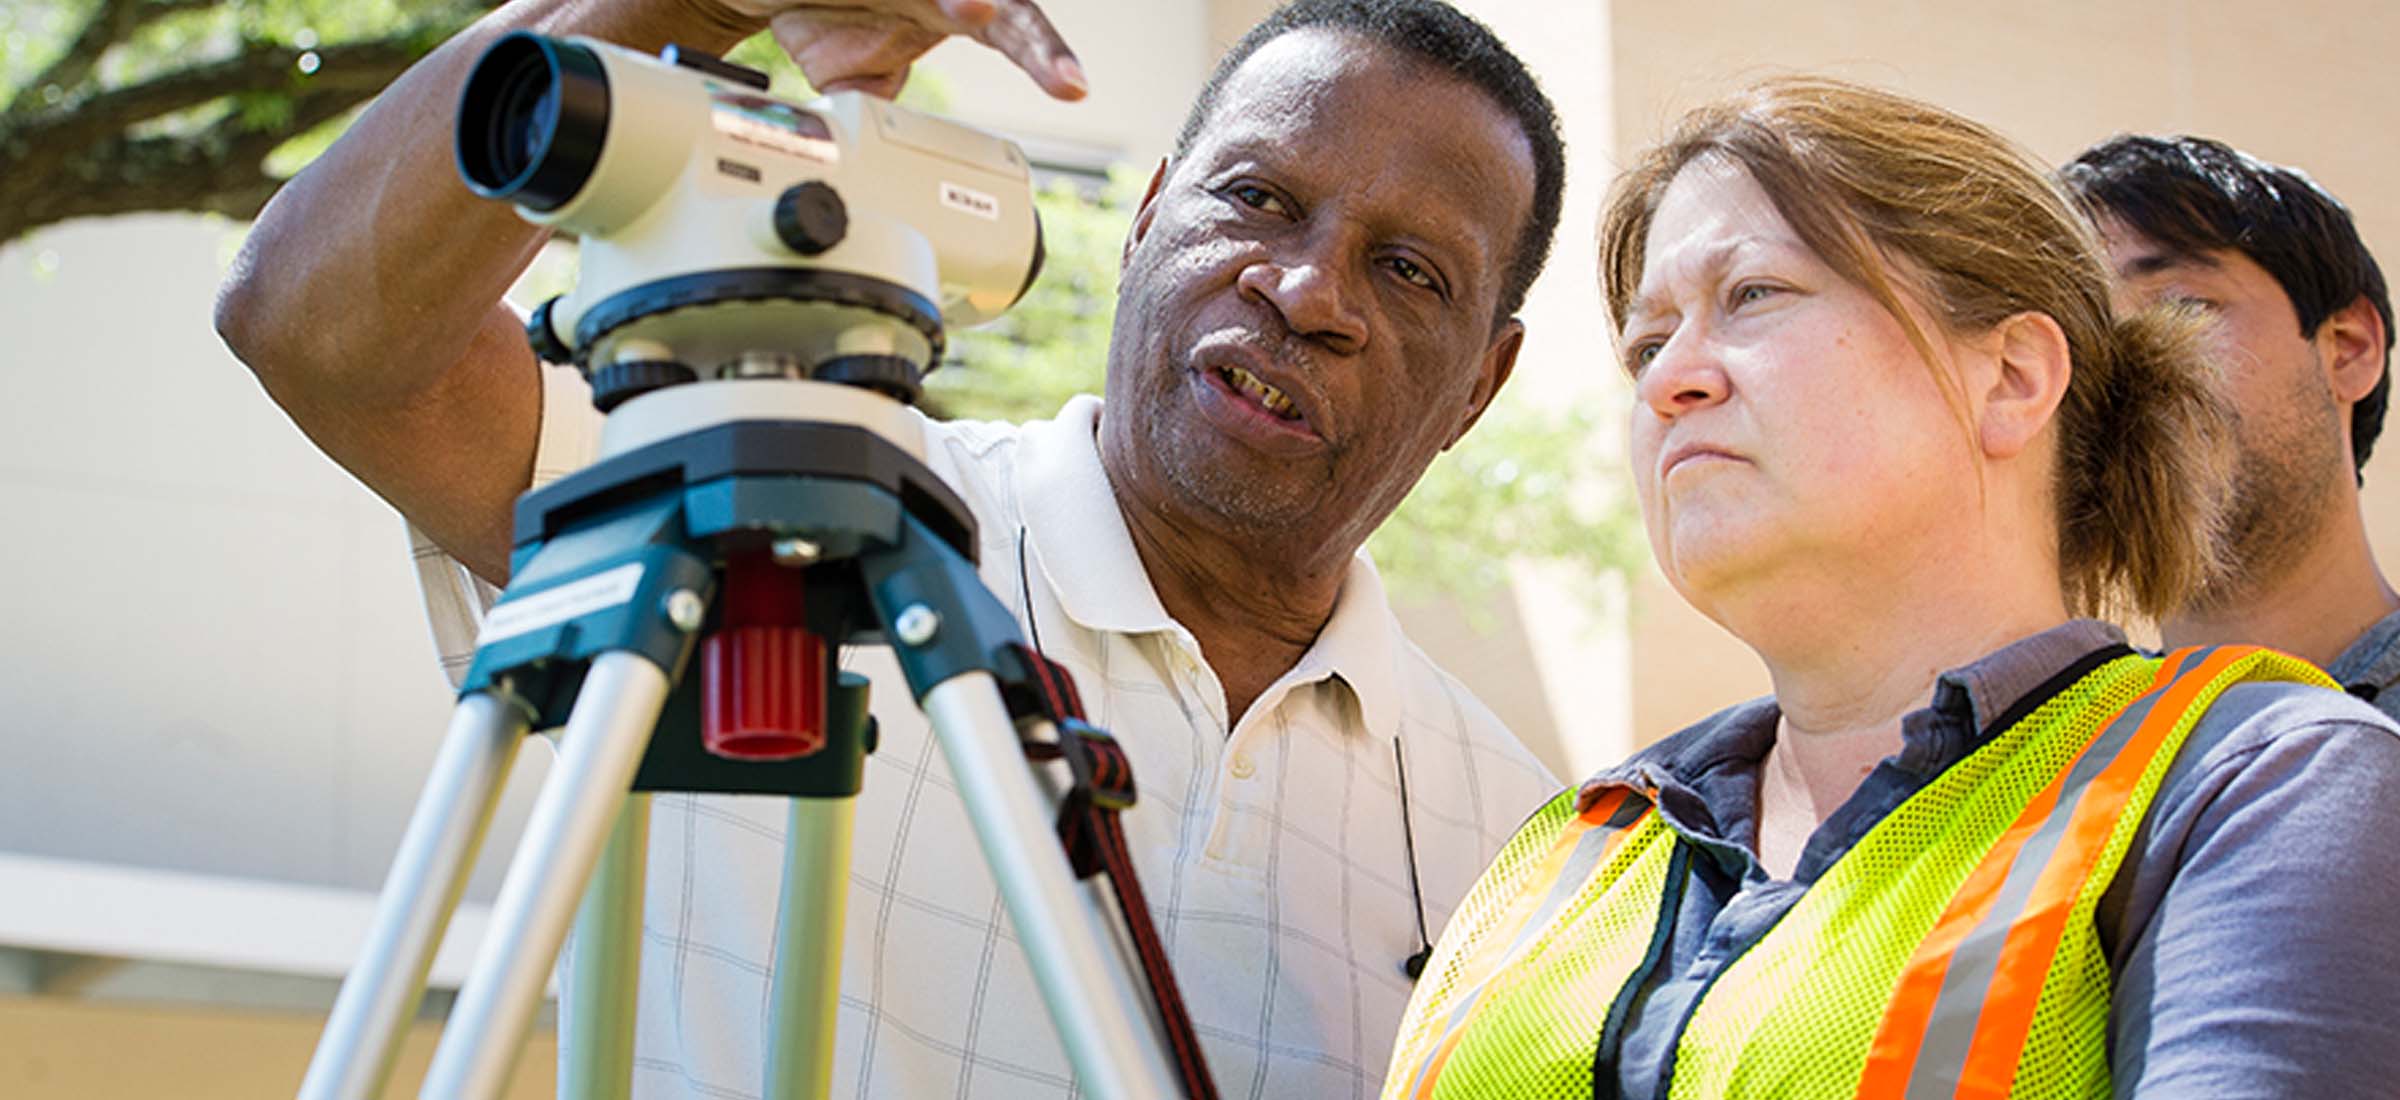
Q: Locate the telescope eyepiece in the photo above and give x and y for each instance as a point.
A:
(532, 120)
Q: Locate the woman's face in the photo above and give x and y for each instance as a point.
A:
(1783, 424)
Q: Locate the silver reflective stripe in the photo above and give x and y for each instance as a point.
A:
(1586, 858)
(1579, 866)
(1950, 1031)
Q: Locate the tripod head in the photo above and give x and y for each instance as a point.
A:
(739, 252)
(729, 234)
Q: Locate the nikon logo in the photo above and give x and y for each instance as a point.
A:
(970, 201)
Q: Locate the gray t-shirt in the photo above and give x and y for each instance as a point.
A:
(2370, 668)
(2251, 932)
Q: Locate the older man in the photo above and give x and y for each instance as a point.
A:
(2305, 320)
(1318, 297)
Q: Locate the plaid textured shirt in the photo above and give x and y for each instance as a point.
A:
(1270, 849)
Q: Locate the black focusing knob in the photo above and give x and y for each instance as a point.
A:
(544, 339)
(618, 383)
(891, 375)
(810, 217)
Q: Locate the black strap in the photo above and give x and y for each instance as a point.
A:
(1094, 838)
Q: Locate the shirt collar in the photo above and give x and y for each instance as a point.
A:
(1361, 643)
(1077, 532)
(1966, 700)
(2374, 659)
(1079, 535)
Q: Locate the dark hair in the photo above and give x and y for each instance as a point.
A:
(1451, 41)
(2191, 196)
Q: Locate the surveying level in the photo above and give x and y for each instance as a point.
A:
(763, 285)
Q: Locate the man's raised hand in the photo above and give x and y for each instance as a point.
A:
(868, 45)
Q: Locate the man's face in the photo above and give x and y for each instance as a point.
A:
(1308, 310)
(2291, 428)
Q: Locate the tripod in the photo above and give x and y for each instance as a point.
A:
(764, 522)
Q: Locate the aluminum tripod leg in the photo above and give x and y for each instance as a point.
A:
(806, 992)
(1103, 1022)
(379, 997)
(606, 734)
(595, 1059)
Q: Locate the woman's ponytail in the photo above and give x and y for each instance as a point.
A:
(2145, 466)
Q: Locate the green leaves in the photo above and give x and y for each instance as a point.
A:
(1053, 344)
(1531, 481)
(118, 106)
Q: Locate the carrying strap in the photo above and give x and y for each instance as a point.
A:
(1094, 838)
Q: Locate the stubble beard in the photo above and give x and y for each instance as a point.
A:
(2283, 486)
(1202, 473)
(1255, 499)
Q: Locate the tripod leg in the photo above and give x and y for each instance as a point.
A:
(1091, 998)
(605, 736)
(806, 989)
(379, 997)
(596, 1050)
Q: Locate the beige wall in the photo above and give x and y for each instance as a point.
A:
(2310, 84)
(54, 1050)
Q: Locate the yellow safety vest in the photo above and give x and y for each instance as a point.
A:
(1950, 952)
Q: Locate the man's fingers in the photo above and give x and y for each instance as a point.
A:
(870, 44)
(972, 14)
(885, 86)
(1023, 33)
(839, 53)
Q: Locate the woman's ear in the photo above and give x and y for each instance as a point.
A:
(2030, 368)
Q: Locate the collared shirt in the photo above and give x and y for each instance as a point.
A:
(2250, 931)
(1270, 848)
(2370, 667)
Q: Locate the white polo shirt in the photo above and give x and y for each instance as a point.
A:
(1270, 851)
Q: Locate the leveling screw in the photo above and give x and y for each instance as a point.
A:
(916, 624)
(685, 610)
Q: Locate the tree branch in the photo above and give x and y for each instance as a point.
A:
(262, 67)
(112, 23)
(76, 160)
(219, 170)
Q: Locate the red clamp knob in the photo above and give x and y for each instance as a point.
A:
(762, 674)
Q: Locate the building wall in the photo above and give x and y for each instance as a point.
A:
(2309, 84)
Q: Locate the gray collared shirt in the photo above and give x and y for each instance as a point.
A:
(2371, 666)
(2251, 931)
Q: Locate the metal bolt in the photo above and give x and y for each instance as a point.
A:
(796, 551)
(916, 624)
(685, 610)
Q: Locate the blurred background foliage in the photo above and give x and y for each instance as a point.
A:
(120, 106)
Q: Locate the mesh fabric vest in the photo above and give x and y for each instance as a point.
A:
(1950, 952)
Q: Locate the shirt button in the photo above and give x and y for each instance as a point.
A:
(1243, 767)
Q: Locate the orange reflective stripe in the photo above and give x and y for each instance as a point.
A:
(1431, 1072)
(1567, 868)
(2032, 943)
(1902, 1031)
(1958, 1019)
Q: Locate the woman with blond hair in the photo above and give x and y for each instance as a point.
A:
(1888, 431)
